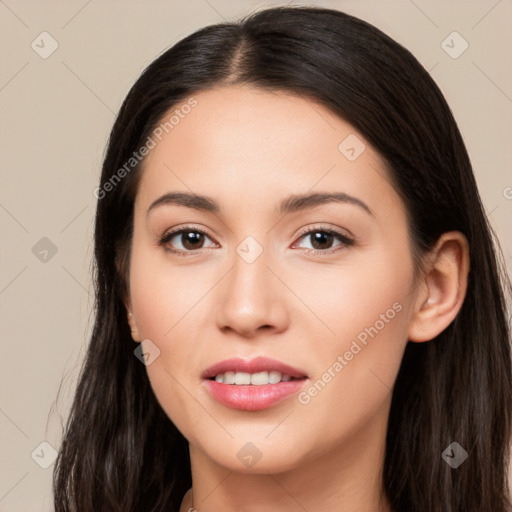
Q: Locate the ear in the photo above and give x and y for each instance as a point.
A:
(133, 324)
(442, 287)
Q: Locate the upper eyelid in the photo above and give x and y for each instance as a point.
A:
(324, 227)
(302, 231)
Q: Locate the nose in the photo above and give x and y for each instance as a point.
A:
(251, 300)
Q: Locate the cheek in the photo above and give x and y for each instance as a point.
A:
(362, 312)
(162, 294)
(169, 306)
(361, 294)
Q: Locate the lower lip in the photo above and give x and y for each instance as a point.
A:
(250, 397)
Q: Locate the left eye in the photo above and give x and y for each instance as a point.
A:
(323, 239)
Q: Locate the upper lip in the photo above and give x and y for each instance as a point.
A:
(256, 365)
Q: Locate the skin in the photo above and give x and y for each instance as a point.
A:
(250, 149)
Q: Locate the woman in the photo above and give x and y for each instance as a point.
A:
(289, 228)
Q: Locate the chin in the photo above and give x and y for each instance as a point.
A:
(254, 457)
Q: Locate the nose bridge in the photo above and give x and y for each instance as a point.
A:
(249, 299)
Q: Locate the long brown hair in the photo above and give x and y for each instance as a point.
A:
(120, 452)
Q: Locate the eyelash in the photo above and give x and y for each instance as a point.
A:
(345, 240)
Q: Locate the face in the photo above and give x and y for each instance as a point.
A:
(324, 286)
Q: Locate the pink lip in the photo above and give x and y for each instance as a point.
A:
(250, 397)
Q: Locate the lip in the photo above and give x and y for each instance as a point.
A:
(250, 397)
(259, 364)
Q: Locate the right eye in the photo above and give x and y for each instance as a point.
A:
(188, 240)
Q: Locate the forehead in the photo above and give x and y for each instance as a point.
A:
(259, 144)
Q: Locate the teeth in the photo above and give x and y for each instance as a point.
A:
(256, 379)
(275, 377)
(242, 378)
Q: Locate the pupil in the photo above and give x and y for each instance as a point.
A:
(192, 238)
(320, 237)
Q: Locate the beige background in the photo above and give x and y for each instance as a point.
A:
(56, 116)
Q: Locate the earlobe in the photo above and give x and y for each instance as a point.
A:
(133, 327)
(442, 288)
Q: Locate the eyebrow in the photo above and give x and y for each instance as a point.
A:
(291, 204)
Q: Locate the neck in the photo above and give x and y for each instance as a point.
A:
(343, 479)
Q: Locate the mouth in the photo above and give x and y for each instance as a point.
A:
(253, 379)
(252, 385)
